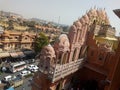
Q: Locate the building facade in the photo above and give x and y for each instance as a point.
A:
(85, 59)
(16, 40)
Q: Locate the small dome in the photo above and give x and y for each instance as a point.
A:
(73, 27)
(62, 36)
(82, 20)
(92, 12)
(99, 13)
(49, 49)
(103, 14)
(64, 42)
(86, 18)
(77, 24)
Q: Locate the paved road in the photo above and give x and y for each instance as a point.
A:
(26, 84)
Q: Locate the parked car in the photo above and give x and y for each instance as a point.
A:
(35, 67)
(24, 73)
(34, 70)
(30, 67)
(29, 61)
(26, 61)
(7, 78)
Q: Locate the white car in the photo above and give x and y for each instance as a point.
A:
(34, 70)
(32, 67)
(36, 67)
(25, 73)
(7, 78)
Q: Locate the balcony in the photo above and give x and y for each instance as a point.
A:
(64, 70)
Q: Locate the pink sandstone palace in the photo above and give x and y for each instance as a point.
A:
(88, 58)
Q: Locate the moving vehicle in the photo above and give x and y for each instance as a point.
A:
(25, 73)
(15, 67)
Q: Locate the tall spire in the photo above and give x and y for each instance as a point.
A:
(104, 8)
(95, 7)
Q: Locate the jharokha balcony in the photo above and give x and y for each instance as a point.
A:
(61, 71)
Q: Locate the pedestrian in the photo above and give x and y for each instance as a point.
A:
(3, 69)
(23, 88)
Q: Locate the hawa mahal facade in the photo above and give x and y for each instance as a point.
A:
(88, 58)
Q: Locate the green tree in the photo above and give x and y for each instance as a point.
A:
(31, 23)
(10, 23)
(41, 41)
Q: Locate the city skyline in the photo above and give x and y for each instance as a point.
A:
(64, 12)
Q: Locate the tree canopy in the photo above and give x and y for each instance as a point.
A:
(41, 41)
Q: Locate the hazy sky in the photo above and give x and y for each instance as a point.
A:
(67, 10)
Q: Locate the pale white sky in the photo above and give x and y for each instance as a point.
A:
(68, 10)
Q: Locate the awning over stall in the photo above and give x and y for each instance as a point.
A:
(29, 54)
(5, 54)
(14, 55)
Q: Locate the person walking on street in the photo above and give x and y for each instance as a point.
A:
(23, 88)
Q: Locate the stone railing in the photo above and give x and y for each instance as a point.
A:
(62, 71)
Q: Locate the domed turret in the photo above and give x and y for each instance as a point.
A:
(77, 24)
(73, 28)
(86, 18)
(64, 43)
(82, 20)
(92, 12)
(47, 59)
(49, 50)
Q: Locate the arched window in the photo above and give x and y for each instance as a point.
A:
(65, 58)
(52, 62)
(74, 54)
(80, 52)
(77, 36)
(101, 57)
(59, 58)
(94, 21)
(80, 33)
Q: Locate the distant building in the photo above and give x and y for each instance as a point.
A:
(48, 29)
(1, 30)
(11, 40)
